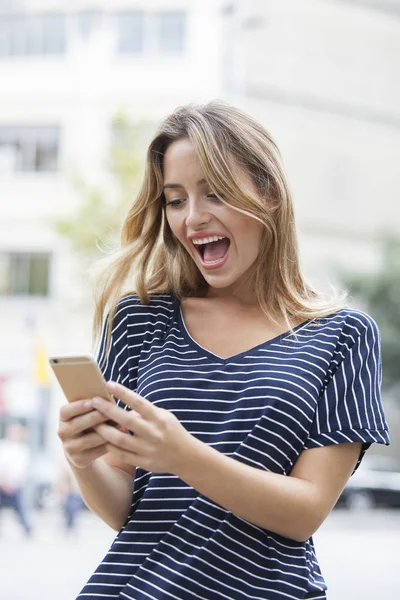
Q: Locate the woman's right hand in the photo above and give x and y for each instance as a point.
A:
(81, 443)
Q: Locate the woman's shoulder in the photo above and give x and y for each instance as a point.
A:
(159, 304)
(350, 322)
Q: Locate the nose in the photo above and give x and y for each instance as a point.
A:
(196, 213)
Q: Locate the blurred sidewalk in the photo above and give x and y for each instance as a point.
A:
(359, 555)
(52, 564)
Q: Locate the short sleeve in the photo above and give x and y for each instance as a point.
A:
(113, 358)
(350, 408)
(133, 324)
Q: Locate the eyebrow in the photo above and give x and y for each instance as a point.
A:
(174, 186)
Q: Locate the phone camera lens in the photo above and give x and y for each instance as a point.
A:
(55, 361)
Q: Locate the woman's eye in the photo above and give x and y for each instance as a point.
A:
(212, 196)
(174, 203)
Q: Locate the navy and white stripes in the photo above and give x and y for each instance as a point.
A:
(317, 386)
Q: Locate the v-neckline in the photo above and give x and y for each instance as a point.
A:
(207, 353)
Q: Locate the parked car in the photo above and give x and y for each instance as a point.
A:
(375, 483)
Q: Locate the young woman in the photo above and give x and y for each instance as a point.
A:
(251, 398)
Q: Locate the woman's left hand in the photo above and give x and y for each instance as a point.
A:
(159, 440)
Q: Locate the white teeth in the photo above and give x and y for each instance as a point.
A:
(207, 240)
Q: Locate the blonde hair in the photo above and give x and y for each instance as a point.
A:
(152, 260)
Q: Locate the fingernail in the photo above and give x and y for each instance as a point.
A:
(87, 403)
(96, 401)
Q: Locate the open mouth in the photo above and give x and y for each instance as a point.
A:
(213, 251)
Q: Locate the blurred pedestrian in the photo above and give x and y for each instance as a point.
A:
(70, 497)
(15, 461)
(251, 396)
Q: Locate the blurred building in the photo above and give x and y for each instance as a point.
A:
(322, 75)
(66, 69)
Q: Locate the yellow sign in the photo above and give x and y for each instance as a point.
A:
(41, 366)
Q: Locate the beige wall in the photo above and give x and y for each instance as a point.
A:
(323, 77)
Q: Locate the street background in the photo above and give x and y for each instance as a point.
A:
(359, 555)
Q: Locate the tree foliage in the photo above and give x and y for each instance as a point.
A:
(380, 292)
(95, 226)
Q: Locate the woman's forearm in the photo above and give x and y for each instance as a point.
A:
(106, 490)
(286, 505)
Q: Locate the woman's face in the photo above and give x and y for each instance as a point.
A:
(223, 242)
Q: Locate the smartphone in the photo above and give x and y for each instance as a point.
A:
(79, 377)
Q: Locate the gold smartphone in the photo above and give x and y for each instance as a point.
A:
(80, 377)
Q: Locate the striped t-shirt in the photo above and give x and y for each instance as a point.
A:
(317, 386)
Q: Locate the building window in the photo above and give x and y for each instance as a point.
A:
(88, 22)
(151, 33)
(24, 273)
(28, 148)
(33, 35)
(171, 32)
(130, 32)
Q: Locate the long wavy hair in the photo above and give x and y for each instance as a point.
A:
(151, 259)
